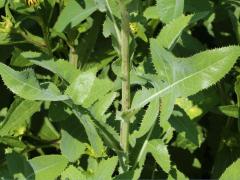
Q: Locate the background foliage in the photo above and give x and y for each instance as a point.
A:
(60, 109)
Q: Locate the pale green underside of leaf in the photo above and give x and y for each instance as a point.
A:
(204, 69)
(47, 167)
(25, 85)
(73, 14)
(18, 116)
(81, 87)
(232, 172)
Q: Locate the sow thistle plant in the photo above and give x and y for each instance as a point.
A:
(114, 89)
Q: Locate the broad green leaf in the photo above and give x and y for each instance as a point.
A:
(18, 166)
(232, 172)
(205, 69)
(176, 174)
(60, 67)
(99, 108)
(18, 59)
(160, 153)
(25, 85)
(101, 5)
(73, 14)
(72, 139)
(182, 123)
(148, 120)
(13, 142)
(47, 131)
(170, 9)
(88, 41)
(105, 169)
(99, 89)
(81, 87)
(172, 31)
(72, 173)
(91, 131)
(18, 116)
(2, 3)
(47, 167)
(151, 12)
(58, 111)
(132, 174)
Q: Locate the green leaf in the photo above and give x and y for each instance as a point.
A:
(47, 167)
(18, 166)
(13, 142)
(62, 68)
(170, 33)
(170, 9)
(160, 153)
(81, 87)
(148, 120)
(72, 145)
(99, 108)
(181, 122)
(73, 14)
(105, 169)
(204, 69)
(72, 173)
(18, 59)
(47, 131)
(91, 131)
(18, 116)
(58, 111)
(25, 85)
(230, 110)
(232, 172)
(99, 89)
(2, 3)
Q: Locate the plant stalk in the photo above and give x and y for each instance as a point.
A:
(124, 131)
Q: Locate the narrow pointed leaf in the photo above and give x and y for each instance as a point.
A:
(25, 85)
(204, 69)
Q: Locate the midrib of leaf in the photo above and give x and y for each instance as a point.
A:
(149, 99)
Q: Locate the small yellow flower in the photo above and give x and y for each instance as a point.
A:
(133, 27)
(32, 2)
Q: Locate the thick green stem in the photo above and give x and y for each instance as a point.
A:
(124, 131)
(73, 56)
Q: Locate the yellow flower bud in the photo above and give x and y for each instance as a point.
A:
(6, 25)
(32, 2)
(133, 27)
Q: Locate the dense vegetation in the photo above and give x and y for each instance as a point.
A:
(119, 89)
